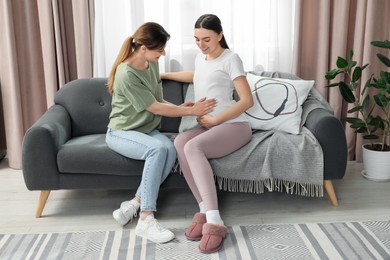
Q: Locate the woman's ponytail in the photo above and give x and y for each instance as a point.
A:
(124, 53)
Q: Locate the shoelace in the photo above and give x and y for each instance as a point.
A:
(132, 208)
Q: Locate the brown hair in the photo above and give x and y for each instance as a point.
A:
(212, 22)
(152, 35)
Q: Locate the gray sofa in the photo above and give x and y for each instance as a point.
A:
(66, 149)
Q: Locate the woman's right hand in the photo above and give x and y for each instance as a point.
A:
(204, 106)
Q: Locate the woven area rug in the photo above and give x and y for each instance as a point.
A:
(346, 240)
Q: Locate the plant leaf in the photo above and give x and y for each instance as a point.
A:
(383, 59)
(350, 55)
(332, 74)
(332, 85)
(381, 100)
(380, 44)
(357, 73)
(362, 129)
(355, 109)
(370, 137)
(354, 120)
(346, 92)
(368, 84)
(352, 64)
(386, 76)
(341, 63)
(377, 122)
(365, 102)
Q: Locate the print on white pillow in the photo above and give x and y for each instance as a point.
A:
(277, 103)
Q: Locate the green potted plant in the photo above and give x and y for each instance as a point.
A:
(371, 111)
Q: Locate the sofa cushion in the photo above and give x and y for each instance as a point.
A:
(277, 103)
(90, 154)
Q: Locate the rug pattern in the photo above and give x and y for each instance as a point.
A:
(344, 240)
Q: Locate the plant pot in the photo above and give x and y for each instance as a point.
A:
(376, 164)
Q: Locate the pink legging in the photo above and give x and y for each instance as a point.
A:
(196, 146)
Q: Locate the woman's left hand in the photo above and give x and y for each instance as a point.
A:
(207, 121)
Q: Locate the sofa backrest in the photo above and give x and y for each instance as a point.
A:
(173, 92)
(89, 104)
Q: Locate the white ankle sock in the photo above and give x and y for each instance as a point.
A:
(201, 207)
(213, 217)
(135, 202)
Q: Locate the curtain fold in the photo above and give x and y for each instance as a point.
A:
(83, 15)
(327, 29)
(20, 54)
(42, 47)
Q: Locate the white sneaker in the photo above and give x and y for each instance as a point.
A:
(151, 229)
(126, 212)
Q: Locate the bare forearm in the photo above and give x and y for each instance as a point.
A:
(199, 108)
(234, 111)
(170, 110)
(183, 76)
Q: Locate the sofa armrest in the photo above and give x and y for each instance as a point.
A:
(40, 146)
(330, 134)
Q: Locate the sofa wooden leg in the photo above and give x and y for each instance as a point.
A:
(42, 202)
(331, 193)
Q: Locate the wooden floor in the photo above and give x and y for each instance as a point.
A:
(89, 210)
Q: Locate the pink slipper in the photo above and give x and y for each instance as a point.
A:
(194, 231)
(212, 239)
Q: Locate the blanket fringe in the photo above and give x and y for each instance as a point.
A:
(251, 186)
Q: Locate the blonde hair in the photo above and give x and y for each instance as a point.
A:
(152, 35)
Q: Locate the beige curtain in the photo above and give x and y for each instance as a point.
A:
(327, 29)
(43, 44)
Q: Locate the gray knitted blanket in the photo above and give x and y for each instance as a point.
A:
(274, 160)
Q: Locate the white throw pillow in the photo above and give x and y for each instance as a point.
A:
(277, 103)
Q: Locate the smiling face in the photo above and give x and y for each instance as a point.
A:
(208, 41)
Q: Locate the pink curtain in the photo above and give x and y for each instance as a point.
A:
(43, 44)
(327, 29)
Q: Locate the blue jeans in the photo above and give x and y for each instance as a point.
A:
(158, 152)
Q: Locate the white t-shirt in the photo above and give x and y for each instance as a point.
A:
(214, 79)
